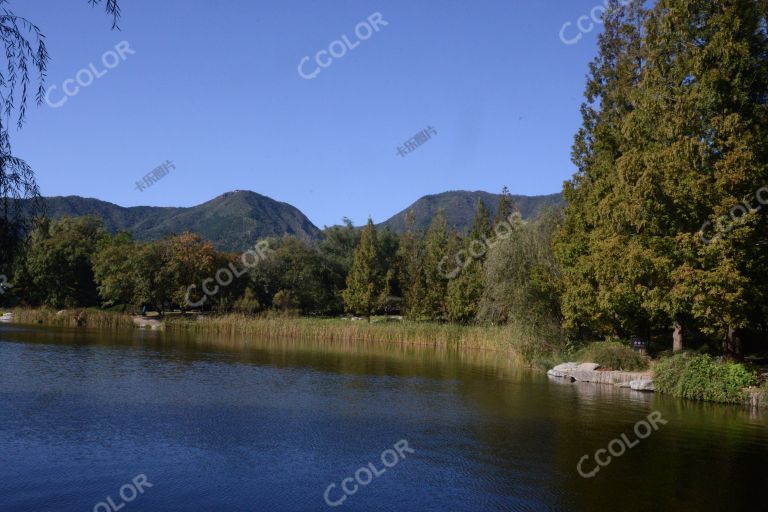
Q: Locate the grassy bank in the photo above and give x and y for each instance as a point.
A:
(73, 318)
(338, 330)
(528, 344)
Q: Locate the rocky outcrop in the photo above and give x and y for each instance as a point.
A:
(757, 398)
(641, 385)
(591, 372)
(563, 371)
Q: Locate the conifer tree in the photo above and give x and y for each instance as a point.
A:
(674, 136)
(466, 289)
(411, 256)
(438, 245)
(366, 284)
(706, 81)
(603, 290)
(506, 207)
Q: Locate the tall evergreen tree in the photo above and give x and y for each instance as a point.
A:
(438, 245)
(506, 207)
(674, 134)
(366, 282)
(706, 81)
(466, 289)
(605, 268)
(412, 276)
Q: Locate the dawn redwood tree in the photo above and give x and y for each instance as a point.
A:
(706, 82)
(674, 136)
(465, 291)
(506, 207)
(366, 282)
(605, 268)
(440, 245)
(411, 268)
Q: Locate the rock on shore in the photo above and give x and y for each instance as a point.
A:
(590, 372)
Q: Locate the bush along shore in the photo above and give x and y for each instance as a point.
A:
(685, 375)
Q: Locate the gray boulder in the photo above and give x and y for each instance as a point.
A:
(641, 385)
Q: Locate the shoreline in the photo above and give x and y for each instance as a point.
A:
(404, 333)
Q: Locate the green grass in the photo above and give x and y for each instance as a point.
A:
(699, 377)
(614, 356)
(527, 344)
(338, 330)
(73, 318)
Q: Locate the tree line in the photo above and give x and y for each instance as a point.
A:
(438, 274)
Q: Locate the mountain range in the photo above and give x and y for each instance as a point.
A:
(459, 208)
(236, 220)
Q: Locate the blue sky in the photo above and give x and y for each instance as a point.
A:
(214, 86)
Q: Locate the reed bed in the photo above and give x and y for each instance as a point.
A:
(73, 318)
(346, 331)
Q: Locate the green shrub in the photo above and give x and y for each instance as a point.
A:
(613, 355)
(699, 377)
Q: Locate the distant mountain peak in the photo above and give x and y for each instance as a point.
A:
(459, 208)
(235, 220)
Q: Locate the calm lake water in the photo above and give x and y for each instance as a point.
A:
(269, 427)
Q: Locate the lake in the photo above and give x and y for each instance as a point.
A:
(147, 421)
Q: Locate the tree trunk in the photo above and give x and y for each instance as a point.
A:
(677, 337)
(732, 344)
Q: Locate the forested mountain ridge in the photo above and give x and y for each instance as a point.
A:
(235, 220)
(459, 208)
(232, 221)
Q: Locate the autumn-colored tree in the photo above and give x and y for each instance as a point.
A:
(191, 261)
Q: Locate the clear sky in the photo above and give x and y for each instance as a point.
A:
(214, 86)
